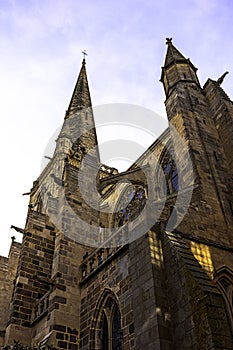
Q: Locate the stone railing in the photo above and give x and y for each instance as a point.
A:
(40, 307)
(104, 252)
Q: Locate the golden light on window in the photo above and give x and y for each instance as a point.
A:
(203, 255)
(156, 252)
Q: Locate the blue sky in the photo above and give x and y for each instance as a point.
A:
(40, 57)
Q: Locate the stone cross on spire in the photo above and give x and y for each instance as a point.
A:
(168, 41)
(84, 54)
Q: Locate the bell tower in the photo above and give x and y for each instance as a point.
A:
(176, 69)
(190, 113)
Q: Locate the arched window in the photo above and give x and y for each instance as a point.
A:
(167, 176)
(106, 331)
(171, 176)
(224, 279)
(130, 205)
(111, 335)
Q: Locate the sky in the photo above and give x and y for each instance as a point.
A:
(40, 58)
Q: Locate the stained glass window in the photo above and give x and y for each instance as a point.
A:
(170, 176)
(111, 334)
(132, 203)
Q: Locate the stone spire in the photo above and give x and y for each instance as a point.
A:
(81, 98)
(177, 69)
(79, 125)
(172, 54)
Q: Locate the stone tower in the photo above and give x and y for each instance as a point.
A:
(190, 110)
(169, 286)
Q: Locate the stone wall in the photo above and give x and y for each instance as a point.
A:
(197, 308)
(111, 276)
(8, 267)
(222, 114)
(4, 292)
(33, 278)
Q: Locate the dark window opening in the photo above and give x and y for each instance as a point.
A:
(105, 338)
(111, 332)
(225, 283)
(116, 331)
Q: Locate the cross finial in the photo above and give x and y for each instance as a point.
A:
(84, 54)
(168, 41)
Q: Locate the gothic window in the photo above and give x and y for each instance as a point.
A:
(108, 332)
(224, 279)
(131, 204)
(170, 184)
(228, 290)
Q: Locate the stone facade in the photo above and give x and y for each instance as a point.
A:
(8, 268)
(155, 270)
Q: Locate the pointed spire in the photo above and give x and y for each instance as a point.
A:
(81, 98)
(176, 68)
(173, 54)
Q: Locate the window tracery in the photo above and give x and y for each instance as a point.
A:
(131, 204)
(107, 326)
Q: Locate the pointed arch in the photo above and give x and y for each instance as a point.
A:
(224, 279)
(106, 330)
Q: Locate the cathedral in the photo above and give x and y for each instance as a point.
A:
(140, 259)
